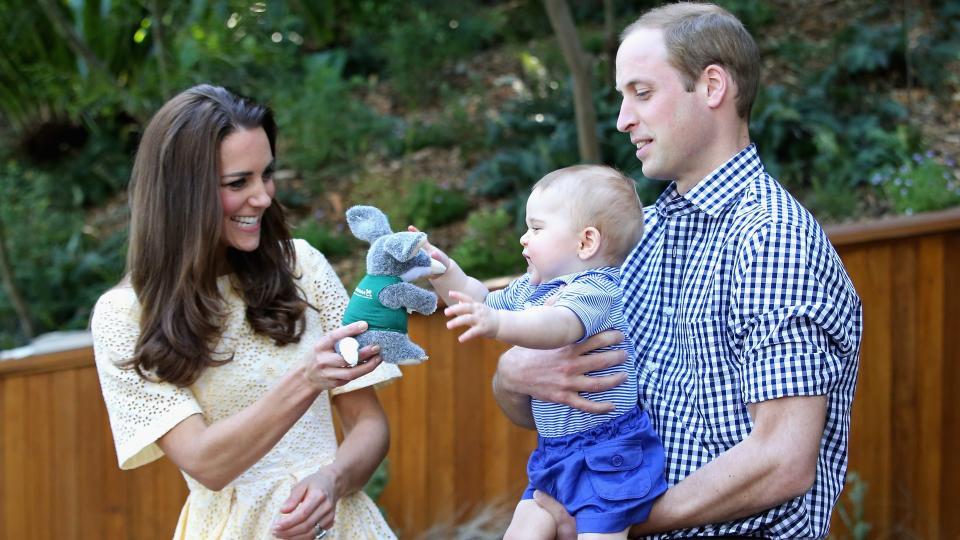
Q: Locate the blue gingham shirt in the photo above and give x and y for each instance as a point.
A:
(734, 295)
(594, 296)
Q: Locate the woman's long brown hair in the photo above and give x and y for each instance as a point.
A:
(175, 230)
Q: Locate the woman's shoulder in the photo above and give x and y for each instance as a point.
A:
(309, 258)
(119, 301)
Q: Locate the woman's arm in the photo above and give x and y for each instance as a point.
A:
(366, 440)
(216, 454)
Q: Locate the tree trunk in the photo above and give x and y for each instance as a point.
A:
(6, 274)
(579, 63)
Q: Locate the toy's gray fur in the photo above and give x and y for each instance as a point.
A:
(394, 254)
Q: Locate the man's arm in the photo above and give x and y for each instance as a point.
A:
(775, 463)
(557, 376)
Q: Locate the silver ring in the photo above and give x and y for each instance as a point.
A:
(319, 532)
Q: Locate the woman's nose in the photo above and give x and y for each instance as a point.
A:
(261, 197)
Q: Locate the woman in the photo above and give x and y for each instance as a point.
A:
(216, 350)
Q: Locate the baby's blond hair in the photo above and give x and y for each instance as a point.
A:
(601, 197)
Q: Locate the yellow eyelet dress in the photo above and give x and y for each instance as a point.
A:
(141, 411)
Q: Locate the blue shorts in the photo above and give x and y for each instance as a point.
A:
(606, 477)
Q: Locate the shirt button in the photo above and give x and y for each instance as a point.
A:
(668, 311)
(617, 460)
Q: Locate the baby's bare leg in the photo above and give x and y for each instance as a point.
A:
(530, 522)
(622, 535)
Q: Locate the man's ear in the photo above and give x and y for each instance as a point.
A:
(718, 84)
(590, 241)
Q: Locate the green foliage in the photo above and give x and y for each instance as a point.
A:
(325, 128)
(421, 53)
(937, 52)
(453, 128)
(430, 205)
(922, 183)
(490, 248)
(59, 266)
(537, 135)
(824, 135)
(334, 244)
(852, 516)
(378, 481)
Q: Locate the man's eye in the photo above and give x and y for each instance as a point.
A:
(643, 94)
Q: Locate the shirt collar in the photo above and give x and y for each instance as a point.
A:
(717, 190)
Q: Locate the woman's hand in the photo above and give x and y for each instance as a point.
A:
(312, 502)
(326, 369)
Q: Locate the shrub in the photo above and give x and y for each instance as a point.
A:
(490, 247)
(333, 243)
(920, 184)
(430, 205)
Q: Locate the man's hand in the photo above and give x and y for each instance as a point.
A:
(566, 525)
(557, 376)
(482, 320)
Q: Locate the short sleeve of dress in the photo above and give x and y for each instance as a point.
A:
(325, 291)
(140, 411)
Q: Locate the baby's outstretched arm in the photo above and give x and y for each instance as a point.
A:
(541, 327)
(454, 279)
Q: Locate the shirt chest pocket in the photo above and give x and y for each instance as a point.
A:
(708, 352)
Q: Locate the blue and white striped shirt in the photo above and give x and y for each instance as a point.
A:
(734, 295)
(594, 296)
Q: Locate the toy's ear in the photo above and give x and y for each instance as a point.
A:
(367, 222)
(404, 246)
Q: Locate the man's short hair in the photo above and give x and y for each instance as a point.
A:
(697, 35)
(601, 197)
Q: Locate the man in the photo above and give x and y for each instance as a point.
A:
(746, 325)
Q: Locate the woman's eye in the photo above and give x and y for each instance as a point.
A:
(237, 184)
(268, 175)
(643, 94)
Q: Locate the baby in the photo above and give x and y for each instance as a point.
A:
(606, 469)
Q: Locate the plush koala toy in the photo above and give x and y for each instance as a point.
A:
(385, 296)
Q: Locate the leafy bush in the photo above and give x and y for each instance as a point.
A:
(334, 244)
(490, 248)
(430, 205)
(59, 266)
(921, 184)
(324, 128)
(423, 44)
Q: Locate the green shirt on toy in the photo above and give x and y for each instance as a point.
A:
(365, 305)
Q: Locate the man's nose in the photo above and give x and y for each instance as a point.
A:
(627, 119)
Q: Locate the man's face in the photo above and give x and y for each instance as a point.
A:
(665, 122)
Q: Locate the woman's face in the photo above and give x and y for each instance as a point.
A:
(246, 187)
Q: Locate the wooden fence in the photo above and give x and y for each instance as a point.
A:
(452, 452)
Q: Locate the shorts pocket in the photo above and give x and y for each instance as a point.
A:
(615, 470)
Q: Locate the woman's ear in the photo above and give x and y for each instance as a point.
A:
(590, 241)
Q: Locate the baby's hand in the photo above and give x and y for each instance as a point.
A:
(482, 320)
(432, 250)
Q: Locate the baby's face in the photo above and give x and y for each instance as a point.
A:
(551, 242)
